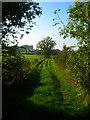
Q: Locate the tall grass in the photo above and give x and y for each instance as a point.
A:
(73, 96)
(48, 92)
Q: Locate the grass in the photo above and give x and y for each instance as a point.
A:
(73, 97)
(33, 57)
(56, 93)
(47, 93)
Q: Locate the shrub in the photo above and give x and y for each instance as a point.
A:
(78, 63)
(81, 68)
(62, 57)
(14, 69)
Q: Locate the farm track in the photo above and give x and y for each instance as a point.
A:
(47, 96)
(40, 98)
(46, 66)
(48, 92)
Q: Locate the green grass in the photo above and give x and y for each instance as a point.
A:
(73, 97)
(33, 57)
(48, 93)
(56, 93)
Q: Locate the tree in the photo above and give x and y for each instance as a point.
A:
(79, 22)
(46, 45)
(17, 16)
(78, 27)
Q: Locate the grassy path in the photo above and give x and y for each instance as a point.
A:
(48, 91)
(47, 96)
(41, 97)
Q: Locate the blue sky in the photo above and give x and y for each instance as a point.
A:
(45, 26)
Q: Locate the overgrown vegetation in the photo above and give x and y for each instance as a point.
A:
(77, 27)
(15, 69)
(78, 63)
(48, 92)
(37, 87)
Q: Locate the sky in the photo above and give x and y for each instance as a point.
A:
(45, 26)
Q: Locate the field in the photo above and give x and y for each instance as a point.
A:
(47, 94)
(33, 57)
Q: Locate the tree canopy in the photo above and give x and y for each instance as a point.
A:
(79, 22)
(18, 16)
(46, 45)
(78, 27)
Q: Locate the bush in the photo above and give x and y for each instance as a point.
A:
(62, 57)
(81, 68)
(14, 69)
(78, 63)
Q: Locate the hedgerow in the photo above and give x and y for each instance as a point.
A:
(14, 69)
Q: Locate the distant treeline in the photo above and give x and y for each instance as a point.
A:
(28, 50)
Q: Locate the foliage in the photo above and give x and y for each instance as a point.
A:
(26, 47)
(14, 69)
(78, 24)
(46, 45)
(11, 50)
(28, 50)
(17, 16)
(55, 51)
(79, 64)
(46, 94)
(62, 57)
(78, 27)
